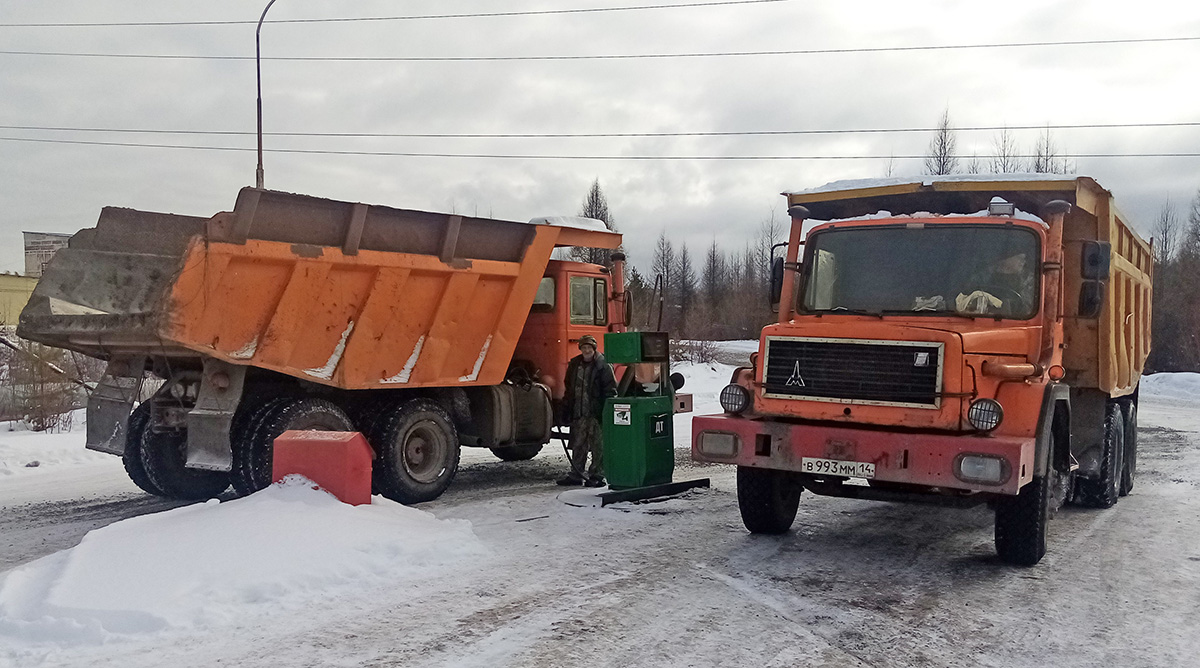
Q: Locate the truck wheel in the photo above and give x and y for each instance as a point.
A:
(1129, 470)
(246, 422)
(132, 457)
(1103, 492)
(253, 453)
(164, 455)
(1021, 523)
(418, 451)
(517, 453)
(768, 499)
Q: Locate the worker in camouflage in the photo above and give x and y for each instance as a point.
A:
(589, 381)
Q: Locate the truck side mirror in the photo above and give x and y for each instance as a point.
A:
(676, 380)
(776, 282)
(1096, 261)
(1091, 298)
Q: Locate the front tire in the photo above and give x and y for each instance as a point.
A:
(1021, 523)
(1104, 491)
(768, 499)
(418, 451)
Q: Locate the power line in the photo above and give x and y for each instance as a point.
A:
(610, 135)
(570, 157)
(624, 56)
(424, 17)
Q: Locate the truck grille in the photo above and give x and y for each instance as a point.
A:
(854, 370)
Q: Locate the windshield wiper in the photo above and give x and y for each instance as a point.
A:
(842, 310)
(931, 311)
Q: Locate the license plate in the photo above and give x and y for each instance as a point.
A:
(837, 467)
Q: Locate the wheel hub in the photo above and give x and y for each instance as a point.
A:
(423, 450)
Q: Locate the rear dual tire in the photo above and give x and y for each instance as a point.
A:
(1129, 469)
(1104, 491)
(164, 460)
(417, 448)
(132, 456)
(258, 425)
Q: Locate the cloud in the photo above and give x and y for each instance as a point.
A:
(58, 187)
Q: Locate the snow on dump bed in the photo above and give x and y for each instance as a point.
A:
(215, 564)
(858, 184)
(572, 221)
(1017, 215)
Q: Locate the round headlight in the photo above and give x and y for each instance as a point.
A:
(985, 414)
(735, 398)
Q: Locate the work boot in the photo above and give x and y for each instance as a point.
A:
(570, 481)
(595, 481)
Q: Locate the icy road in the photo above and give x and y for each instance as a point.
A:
(293, 578)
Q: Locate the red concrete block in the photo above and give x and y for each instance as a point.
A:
(338, 461)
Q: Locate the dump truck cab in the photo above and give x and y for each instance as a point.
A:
(933, 338)
(573, 299)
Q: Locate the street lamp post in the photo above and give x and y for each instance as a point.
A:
(258, 173)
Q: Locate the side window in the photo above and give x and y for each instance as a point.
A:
(582, 301)
(823, 278)
(543, 301)
(589, 301)
(601, 303)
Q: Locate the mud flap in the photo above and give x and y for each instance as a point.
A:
(208, 445)
(1043, 458)
(110, 403)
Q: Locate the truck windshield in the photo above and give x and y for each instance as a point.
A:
(971, 270)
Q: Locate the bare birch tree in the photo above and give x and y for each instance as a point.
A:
(1005, 153)
(940, 159)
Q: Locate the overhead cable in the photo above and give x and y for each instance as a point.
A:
(620, 56)
(423, 17)
(407, 154)
(583, 135)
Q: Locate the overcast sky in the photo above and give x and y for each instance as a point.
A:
(62, 186)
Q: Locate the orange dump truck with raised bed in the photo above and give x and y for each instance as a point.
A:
(424, 331)
(947, 340)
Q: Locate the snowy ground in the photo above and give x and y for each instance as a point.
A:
(501, 572)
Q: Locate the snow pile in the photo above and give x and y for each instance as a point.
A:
(704, 383)
(1181, 386)
(30, 452)
(747, 346)
(217, 564)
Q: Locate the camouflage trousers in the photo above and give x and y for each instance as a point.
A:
(585, 438)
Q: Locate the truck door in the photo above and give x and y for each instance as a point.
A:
(588, 299)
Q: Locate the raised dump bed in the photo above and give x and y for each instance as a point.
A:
(296, 313)
(344, 294)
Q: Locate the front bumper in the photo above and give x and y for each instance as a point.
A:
(921, 459)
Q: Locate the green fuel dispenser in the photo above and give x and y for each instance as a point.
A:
(638, 425)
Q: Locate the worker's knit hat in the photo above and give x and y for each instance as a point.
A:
(587, 340)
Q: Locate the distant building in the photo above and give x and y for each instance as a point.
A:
(14, 294)
(39, 248)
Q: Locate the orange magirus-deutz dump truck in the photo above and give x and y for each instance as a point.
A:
(424, 331)
(952, 340)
